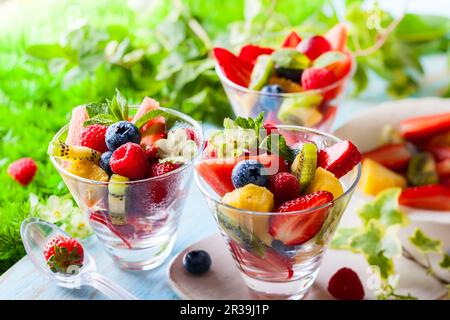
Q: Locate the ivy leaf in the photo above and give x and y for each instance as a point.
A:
(384, 208)
(425, 244)
(281, 148)
(146, 117)
(342, 238)
(103, 119)
(368, 241)
(384, 264)
(445, 263)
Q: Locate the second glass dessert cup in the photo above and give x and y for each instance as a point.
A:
(271, 269)
(141, 236)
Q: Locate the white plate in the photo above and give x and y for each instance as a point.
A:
(364, 131)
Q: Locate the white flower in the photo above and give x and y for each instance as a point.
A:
(56, 209)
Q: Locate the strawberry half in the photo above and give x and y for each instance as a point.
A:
(292, 40)
(235, 69)
(439, 153)
(421, 128)
(250, 53)
(392, 156)
(434, 197)
(340, 158)
(270, 264)
(295, 229)
(443, 168)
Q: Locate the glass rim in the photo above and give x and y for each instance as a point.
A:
(350, 189)
(224, 79)
(187, 164)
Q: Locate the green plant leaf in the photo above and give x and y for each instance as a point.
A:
(425, 244)
(146, 117)
(103, 119)
(95, 109)
(281, 148)
(384, 208)
(46, 51)
(445, 262)
(343, 238)
(368, 240)
(384, 264)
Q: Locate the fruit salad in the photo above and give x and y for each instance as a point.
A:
(414, 156)
(129, 169)
(297, 82)
(277, 193)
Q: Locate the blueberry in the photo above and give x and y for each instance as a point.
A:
(249, 171)
(197, 261)
(289, 73)
(283, 249)
(120, 133)
(104, 162)
(270, 102)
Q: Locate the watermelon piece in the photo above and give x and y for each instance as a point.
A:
(79, 116)
(337, 37)
(155, 128)
(251, 52)
(217, 174)
(292, 40)
(235, 69)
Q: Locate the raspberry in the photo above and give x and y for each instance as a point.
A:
(151, 152)
(93, 137)
(23, 170)
(158, 169)
(316, 78)
(284, 186)
(314, 46)
(129, 160)
(346, 285)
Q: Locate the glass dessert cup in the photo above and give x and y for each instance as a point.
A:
(141, 234)
(271, 269)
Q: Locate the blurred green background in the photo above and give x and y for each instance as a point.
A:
(55, 55)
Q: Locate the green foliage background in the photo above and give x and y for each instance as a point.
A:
(162, 50)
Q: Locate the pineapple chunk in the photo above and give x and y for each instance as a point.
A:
(375, 178)
(325, 181)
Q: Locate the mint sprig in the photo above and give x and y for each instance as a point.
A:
(279, 147)
(109, 112)
(146, 117)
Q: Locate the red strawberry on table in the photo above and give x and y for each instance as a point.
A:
(434, 197)
(421, 128)
(250, 53)
(346, 285)
(393, 156)
(93, 137)
(22, 170)
(63, 254)
(295, 229)
(235, 69)
(339, 158)
(292, 40)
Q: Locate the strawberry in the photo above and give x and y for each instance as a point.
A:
(337, 62)
(190, 134)
(339, 158)
(64, 253)
(346, 285)
(439, 153)
(393, 156)
(284, 186)
(129, 160)
(158, 169)
(271, 263)
(314, 46)
(250, 53)
(441, 140)
(151, 152)
(270, 127)
(93, 137)
(316, 78)
(443, 168)
(292, 40)
(295, 229)
(23, 170)
(421, 128)
(434, 197)
(235, 69)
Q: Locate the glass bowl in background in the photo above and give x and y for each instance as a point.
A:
(271, 269)
(141, 236)
(310, 108)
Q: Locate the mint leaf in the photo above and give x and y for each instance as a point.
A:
(279, 147)
(123, 105)
(146, 117)
(384, 208)
(247, 123)
(425, 244)
(445, 263)
(103, 119)
(95, 109)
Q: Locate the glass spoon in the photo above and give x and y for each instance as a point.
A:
(36, 233)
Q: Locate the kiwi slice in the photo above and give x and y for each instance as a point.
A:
(305, 164)
(261, 72)
(64, 151)
(301, 109)
(290, 59)
(117, 199)
(422, 170)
